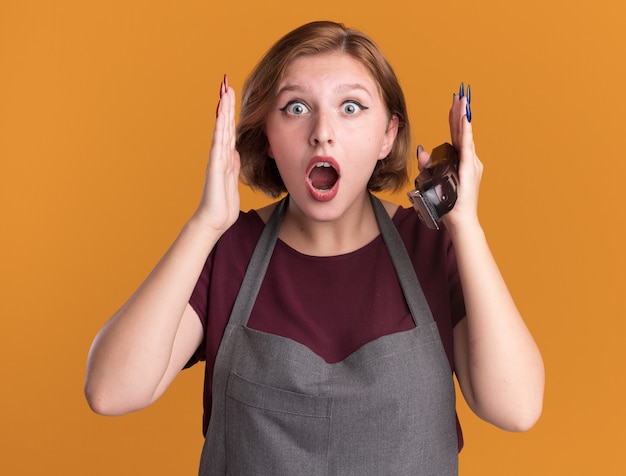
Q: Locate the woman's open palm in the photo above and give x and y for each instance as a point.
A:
(219, 207)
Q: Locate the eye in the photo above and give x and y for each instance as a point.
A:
(352, 107)
(295, 108)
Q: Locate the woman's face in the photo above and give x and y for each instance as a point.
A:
(326, 130)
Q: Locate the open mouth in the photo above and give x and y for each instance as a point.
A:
(323, 176)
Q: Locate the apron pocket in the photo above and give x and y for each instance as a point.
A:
(275, 431)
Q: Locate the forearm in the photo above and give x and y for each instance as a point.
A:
(503, 374)
(132, 352)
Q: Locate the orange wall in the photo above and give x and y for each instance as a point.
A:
(106, 111)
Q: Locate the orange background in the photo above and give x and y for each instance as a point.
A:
(106, 113)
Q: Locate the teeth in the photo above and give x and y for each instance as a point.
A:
(323, 164)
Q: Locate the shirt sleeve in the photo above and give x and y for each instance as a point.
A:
(199, 303)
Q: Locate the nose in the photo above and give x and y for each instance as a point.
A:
(322, 131)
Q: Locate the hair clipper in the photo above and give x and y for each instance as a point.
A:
(435, 196)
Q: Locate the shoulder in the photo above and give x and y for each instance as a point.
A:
(242, 236)
(412, 229)
(390, 207)
(246, 222)
(422, 242)
(405, 218)
(264, 213)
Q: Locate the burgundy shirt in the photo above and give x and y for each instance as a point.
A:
(333, 305)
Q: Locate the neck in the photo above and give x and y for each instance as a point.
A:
(351, 231)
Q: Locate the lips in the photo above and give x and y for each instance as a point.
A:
(322, 178)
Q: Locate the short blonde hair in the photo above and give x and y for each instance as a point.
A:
(259, 92)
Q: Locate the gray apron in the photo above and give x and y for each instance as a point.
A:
(280, 409)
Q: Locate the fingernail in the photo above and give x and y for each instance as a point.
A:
(226, 82)
(461, 92)
(419, 149)
(217, 109)
(469, 98)
(468, 111)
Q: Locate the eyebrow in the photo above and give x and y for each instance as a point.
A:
(342, 88)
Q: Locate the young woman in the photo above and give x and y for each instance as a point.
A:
(331, 322)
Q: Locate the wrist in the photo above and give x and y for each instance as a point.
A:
(201, 227)
(459, 227)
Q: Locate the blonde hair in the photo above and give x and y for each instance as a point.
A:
(259, 92)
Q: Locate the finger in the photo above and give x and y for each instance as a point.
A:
(226, 131)
(423, 159)
(423, 164)
(229, 125)
(460, 113)
(468, 109)
(456, 119)
(222, 91)
(465, 135)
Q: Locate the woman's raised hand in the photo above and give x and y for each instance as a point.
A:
(219, 207)
(470, 167)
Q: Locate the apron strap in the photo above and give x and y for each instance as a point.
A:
(401, 260)
(258, 265)
(416, 301)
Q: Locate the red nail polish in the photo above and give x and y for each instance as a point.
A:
(217, 109)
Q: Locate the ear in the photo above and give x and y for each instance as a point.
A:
(390, 137)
